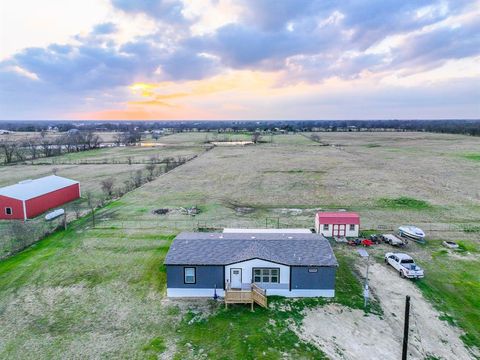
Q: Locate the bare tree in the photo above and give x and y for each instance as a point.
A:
(107, 187)
(150, 170)
(169, 163)
(92, 140)
(128, 137)
(46, 146)
(137, 178)
(76, 209)
(32, 146)
(315, 137)
(20, 153)
(8, 148)
(256, 137)
(128, 185)
(151, 167)
(91, 205)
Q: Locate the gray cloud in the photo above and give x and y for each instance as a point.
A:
(104, 29)
(310, 40)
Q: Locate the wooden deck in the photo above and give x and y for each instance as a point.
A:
(254, 295)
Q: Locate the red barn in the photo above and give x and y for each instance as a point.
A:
(337, 224)
(30, 198)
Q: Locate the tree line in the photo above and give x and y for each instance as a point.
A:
(453, 126)
(31, 148)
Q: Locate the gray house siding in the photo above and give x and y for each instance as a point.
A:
(324, 278)
(207, 277)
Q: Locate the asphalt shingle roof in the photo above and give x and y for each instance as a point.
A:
(228, 248)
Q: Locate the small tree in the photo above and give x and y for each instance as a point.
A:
(169, 163)
(137, 178)
(128, 185)
(8, 148)
(76, 209)
(150, 167)
(91, 205)
(107, 187)
(256, 137)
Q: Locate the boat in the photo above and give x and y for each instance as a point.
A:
(412, 232)
(54, 214)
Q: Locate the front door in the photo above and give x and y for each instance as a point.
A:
(339, 230)
(236, 278)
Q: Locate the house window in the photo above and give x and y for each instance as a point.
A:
(8, 211)
(266, 275)
(352, 227)
(312, 270)
(325, 226)
(190, 277)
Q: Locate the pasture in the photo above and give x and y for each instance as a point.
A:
(100, 292)
(90, 168)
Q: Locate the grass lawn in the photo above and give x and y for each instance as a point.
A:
(93, 284)
(452, 283)
(264, 333)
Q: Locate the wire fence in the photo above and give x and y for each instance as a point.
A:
(194, 224)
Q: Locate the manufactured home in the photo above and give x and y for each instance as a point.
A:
(337, 224)
(30, 198)
(288, 264)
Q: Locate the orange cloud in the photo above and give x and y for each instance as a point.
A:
(238, 81)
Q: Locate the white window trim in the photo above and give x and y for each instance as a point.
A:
(11, 211)
(194, 275)
(269, 275)
(326, 227)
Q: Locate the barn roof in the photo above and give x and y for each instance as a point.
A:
(29, 189)
(338, 217)
(229, 248)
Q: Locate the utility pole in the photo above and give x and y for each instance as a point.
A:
(405, 328)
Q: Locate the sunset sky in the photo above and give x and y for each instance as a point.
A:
(250, 59)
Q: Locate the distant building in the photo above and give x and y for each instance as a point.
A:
(30, 198)
(337, 224)
(291, 265)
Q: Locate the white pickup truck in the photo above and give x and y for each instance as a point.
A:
(405, 265)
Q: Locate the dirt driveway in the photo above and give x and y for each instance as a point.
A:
(343, 333)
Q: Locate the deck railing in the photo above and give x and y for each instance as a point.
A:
(254, 295)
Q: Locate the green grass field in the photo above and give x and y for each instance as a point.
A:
(100, 292)
(453, 285)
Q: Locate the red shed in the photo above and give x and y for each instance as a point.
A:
(338, 223)
(30, 198)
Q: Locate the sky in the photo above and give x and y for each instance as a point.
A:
(239, 59)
